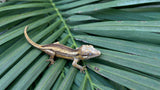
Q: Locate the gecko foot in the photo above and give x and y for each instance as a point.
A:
(51, 60)
(83, 69)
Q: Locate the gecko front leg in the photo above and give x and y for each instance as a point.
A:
(74, 63)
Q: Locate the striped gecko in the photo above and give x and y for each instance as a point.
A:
(56, 49)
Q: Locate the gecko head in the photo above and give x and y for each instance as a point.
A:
(88, 51)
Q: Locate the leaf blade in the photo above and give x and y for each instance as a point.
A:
(130, 80)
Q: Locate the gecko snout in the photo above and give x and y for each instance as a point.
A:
(98, 52)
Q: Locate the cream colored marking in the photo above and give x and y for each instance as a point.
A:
(61, 50)
(50, 51)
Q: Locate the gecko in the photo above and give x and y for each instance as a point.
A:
(59, 50)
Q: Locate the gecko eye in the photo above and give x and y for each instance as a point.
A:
(90, 54)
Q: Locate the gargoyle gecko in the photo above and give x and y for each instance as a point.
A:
(56, 49)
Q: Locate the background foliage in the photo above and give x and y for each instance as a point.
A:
(125, 31)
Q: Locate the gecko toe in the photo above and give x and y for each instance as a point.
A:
(83, 69)
(51, 61)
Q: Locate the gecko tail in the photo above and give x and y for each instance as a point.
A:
(30, 41)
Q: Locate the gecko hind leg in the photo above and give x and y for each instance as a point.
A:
(52, 54)
(51, 59)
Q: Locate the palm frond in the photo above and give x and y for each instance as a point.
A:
(125, 31)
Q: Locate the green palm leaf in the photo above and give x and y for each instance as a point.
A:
(125, 31)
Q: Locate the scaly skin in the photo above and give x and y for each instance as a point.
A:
(62, 51)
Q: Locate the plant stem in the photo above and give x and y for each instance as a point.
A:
(70, 35)
(64, 22)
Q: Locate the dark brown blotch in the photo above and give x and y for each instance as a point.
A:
(96, 68)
